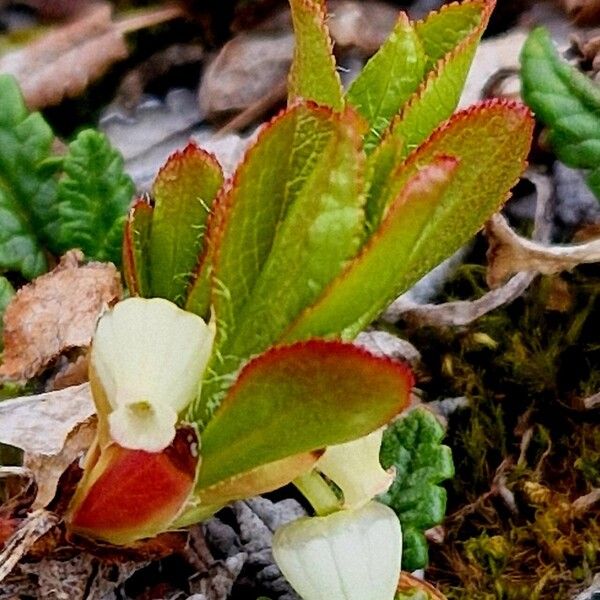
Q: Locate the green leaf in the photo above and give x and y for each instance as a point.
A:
(283, 228)
(355, 296)
(566, 101)
(442, 31)
(183, 193)
(438, 97)
(313, 75)
(450, 39)
(320, 231)
(6, 294)
(94, 194)
(390, 77)
(296, 399)
(27, 194)
(260, 480)
(136, 244)
(412, 445)
(427, 223)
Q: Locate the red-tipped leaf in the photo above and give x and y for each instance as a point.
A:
(296, 399)
(135, 247)
(183, 191)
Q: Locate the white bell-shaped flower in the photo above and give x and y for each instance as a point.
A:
(148, 356)
(348, 555)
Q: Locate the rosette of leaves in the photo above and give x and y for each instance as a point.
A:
(566, 101)
(50, 204)
(342, 202)
(413, 446)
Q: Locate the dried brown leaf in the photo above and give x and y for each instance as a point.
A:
(55, 313)
(47, 470)
(71, 577)
(63, 62)
(64, 579)
(18, 487)
(461, 312)
(133, 85)
(41, 424)
(592, 402)
(17, 585)
(587, 43)
(360, 25)
(246, 69)
(383, 343)
(410, 583)
(108, 577)
(53, 429)
(69, 373)
(36, 525)
(510, 253)
(583, 12)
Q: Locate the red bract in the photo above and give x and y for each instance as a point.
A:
(131, 494)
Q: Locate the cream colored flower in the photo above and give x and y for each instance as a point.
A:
(355, 468)
(348, 555)
(148, 357)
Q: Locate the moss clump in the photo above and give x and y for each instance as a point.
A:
(519, 523)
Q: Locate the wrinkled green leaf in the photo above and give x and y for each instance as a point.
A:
(413, 446)
(27, 191)
(83, 208)
(390, 77)
(450, 39)
(489, 142)
(313, 75)
(183, 193)
(6, 293)
(567, 101)
(295, 399)
(94, 194)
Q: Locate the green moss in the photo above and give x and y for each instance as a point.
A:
(525, 449)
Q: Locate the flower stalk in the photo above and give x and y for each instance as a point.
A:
(351, 550)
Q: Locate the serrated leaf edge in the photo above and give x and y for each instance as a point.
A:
(320, 11)
(191, 148)
(322, 347)
(130, 267)
(487, 6)
(493, 104)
